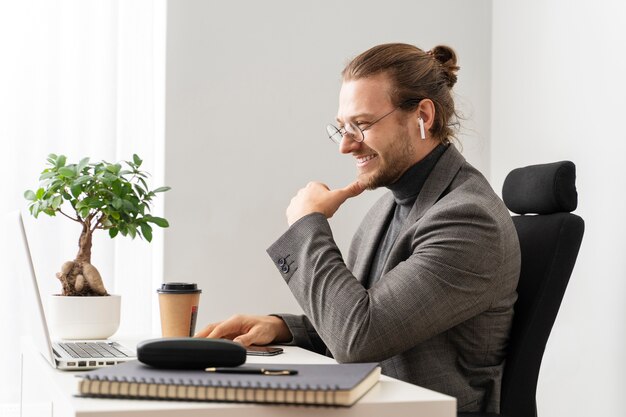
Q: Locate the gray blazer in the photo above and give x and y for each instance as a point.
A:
(441, 313)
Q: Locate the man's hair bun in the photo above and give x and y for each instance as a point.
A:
(447, 58)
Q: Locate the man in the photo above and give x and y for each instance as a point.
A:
(429, 283)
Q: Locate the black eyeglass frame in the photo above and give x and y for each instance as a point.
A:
(333, 130)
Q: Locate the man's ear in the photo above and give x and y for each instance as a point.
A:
(426, 111)
(422, 118)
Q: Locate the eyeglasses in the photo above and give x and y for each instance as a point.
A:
(352, 130)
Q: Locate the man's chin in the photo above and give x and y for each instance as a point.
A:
(368, 181)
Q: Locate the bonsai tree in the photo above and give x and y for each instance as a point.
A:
(101, 196)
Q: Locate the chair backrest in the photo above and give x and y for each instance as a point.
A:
(549, 243)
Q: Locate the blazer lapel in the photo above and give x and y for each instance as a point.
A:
(436, 184)
(439, 179)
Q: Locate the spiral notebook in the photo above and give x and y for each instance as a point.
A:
(335, 385)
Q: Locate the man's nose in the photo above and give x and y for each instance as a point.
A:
(348, 145)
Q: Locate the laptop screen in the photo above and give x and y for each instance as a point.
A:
(34, 307)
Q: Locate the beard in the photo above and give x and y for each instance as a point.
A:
(392, 163)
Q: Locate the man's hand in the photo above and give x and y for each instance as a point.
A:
(249, 330)
(318, 198)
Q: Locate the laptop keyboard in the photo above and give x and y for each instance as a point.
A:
(94, 350)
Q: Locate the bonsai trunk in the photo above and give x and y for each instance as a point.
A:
(84, 245)
(79, 277)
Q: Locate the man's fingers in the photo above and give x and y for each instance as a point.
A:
(257, 335)
(225, 329)
(206, 331)
(246, 339)
(316, 197)
(351, 190)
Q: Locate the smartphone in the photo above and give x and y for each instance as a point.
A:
(263, 350)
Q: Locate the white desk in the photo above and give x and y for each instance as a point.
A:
(44, 386)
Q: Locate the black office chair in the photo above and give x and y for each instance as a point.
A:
(549, 243)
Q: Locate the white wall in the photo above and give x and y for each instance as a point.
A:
(80, 79)
(250, 88)
(559, 92)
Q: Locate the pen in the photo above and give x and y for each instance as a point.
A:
(261, 371)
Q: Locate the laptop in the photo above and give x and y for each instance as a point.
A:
(66, 355)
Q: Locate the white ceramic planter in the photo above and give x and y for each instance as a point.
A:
(83, 317)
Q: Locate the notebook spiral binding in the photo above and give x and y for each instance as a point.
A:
(171, 389)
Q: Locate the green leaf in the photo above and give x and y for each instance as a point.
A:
(40, 193)
(140, 191)
(47, 174)
(104, 194)
(82, 180)
(132, 232)
(56, 202)
(146, 231)
(110, 177)
(76, 190)
(137, 160)
(35, 209)
(128, 206)
(55, 184)
(82, 164)
(116, 187)
(113, 232)
(114, 169)
(159, 221)
(30, 195)
(84, 212)
(52, 158)
(117, 203)
(162, 189)
(67, 172)
(95, 203)
(97, 168)
(60, 161)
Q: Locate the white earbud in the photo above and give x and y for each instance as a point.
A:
(421, 123)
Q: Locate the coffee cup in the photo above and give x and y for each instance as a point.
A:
(178, 304)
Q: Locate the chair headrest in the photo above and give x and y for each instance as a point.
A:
(541, 189)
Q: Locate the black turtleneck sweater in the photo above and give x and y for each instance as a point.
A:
(405, 191)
